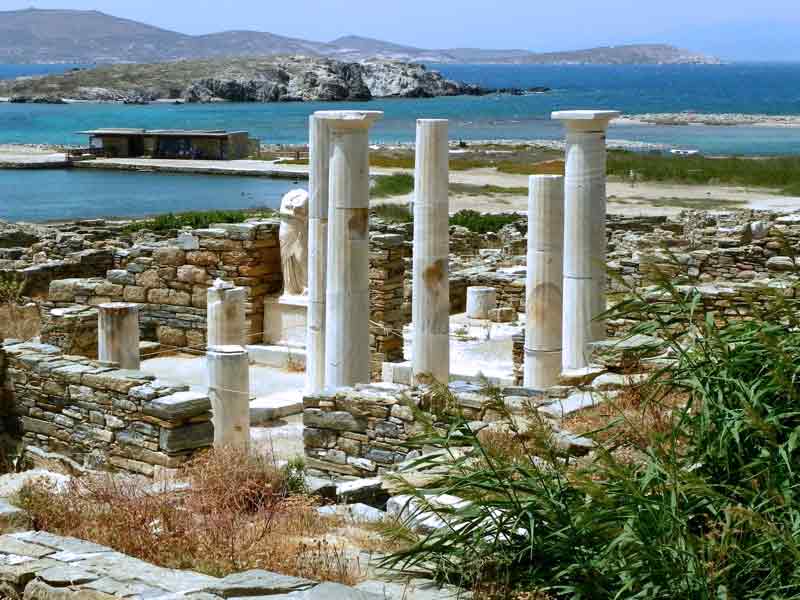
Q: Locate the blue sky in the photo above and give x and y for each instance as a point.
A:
(733, 29)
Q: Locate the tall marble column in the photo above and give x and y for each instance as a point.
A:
(226, 315)
(319, 166)
(431, 281)
(229, 392)
(347, 350)
(118, 334)
(543, 285)
(584, 231)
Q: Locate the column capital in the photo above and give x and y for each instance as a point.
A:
(586, 120)
(349, 119)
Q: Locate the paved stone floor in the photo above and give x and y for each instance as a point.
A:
(270, 387)
(477, 346)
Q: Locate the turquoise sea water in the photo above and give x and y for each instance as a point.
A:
(47, 195)
(738, 88)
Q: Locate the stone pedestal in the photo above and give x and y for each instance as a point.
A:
(543, 302)
(584, 231)
(229, 392)
(347, 360)
(285, 321)
(118, 334)
(319, 167)
(480, 300)
(431, 281)
(226, 315)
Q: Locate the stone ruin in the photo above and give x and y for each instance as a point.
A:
(75, 398)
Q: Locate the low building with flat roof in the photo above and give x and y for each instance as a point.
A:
(169, 143)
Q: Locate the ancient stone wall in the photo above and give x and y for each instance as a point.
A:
(99, 416)
(169, 280)
(87, 263)
(73, 330)
(363, 431)
(386, 281)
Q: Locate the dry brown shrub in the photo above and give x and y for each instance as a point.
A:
(633, 419)
(237, 514)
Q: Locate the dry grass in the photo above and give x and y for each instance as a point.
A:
(631, 420)
(238, 514)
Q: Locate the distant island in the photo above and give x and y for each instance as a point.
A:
(270, 79)
(83, 37)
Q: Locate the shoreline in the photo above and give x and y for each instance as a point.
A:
(709, 119)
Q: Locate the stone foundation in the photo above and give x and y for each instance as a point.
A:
(99, 416)
(72, 329)
(170, 280)
(364, 431)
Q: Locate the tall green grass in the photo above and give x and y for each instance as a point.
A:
(196, 219)
(706, 507)
(782, 173)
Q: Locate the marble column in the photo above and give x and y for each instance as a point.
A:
(584, 231)
(319, 167)
(229, 392)
(431, 280)
(347, 309)
(225, 313)
(118, 334)
(543, 285)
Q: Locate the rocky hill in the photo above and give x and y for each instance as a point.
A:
(73, 36)
(278, 79)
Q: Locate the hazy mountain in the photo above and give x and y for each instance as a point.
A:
(47, 36)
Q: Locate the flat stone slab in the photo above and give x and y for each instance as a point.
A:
(258, 583)
(356, 513)
(337, 591)
(55, 567)
(64, 575)
(573, 403)
(416, 589)
(275, 406)
(180, 405)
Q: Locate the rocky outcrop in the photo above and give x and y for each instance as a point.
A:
(284, 79)
(326, 80)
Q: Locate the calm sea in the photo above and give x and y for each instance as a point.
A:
(741, 88)
(738, 88)
(47, 195)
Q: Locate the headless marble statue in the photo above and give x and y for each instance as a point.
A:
(294, 242)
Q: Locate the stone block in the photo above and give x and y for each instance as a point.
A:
(178, 406)
(337, 420)
(169, 255)
(258, 583)
(189, 437)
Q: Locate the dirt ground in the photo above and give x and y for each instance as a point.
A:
(642, 198)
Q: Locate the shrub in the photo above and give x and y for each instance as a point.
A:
(196, 219)
(12, 286)
(481, 222)
(703, 504)
(239, 512)
(397, 184)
